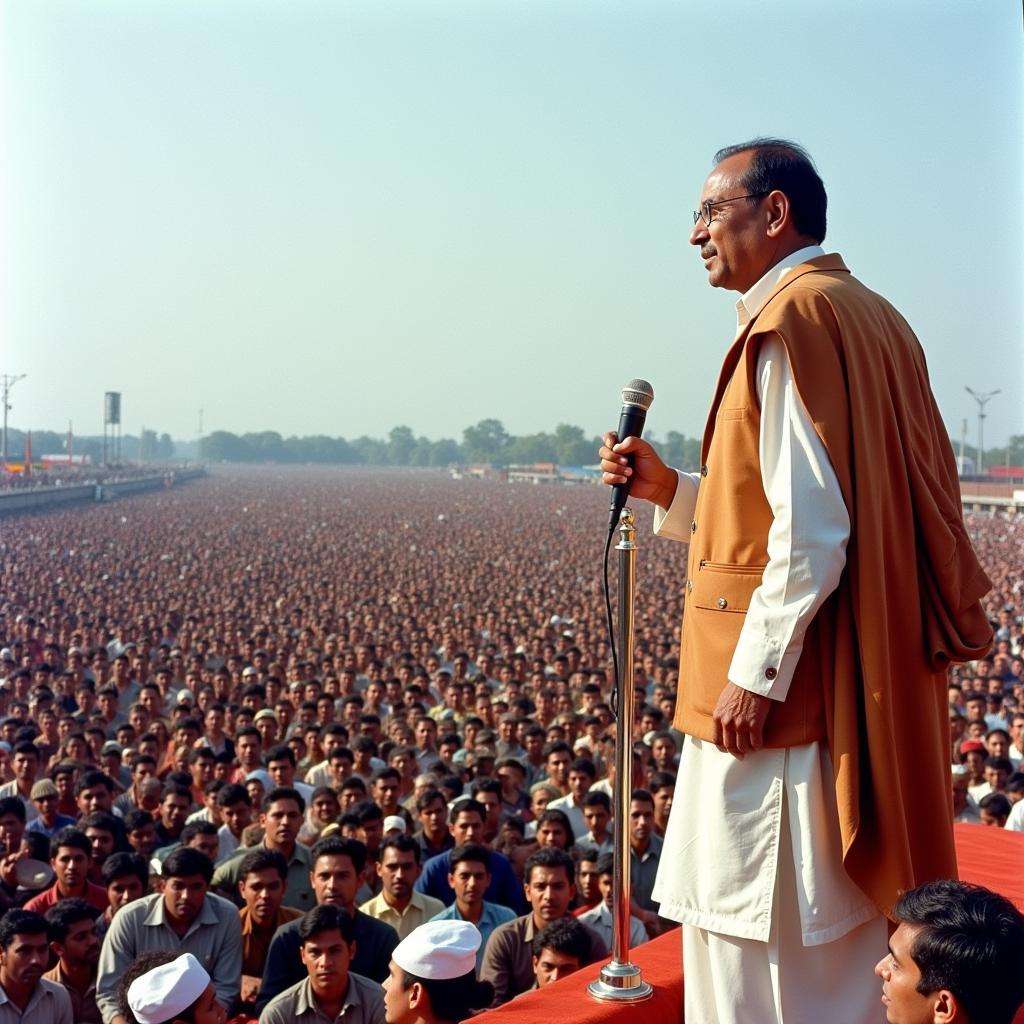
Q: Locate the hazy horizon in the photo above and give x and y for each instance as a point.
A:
(323, 218)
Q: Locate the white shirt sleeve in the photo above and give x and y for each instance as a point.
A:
(674, 522)
(807, 539)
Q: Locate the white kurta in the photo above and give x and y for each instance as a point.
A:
(720, 862)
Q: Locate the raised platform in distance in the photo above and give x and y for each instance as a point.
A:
(44, 499)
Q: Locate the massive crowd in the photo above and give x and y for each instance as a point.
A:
(283, 720)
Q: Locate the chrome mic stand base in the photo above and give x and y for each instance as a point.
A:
(620, 983)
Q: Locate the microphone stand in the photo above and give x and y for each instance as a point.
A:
(620, 980)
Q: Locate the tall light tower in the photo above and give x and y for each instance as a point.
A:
(982, 398)
(7, 381)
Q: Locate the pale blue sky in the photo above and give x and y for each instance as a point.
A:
(337, 217)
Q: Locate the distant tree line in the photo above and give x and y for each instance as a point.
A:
(486, 442)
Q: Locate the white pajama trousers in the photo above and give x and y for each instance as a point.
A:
(728, 980)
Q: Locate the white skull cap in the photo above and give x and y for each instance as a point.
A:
(439, 950)
(167, 991)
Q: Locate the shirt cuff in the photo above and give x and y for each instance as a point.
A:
(673, 522)
(764, 668)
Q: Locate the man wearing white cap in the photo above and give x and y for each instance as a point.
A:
(432, 976)
(160, 988)
(330, 991)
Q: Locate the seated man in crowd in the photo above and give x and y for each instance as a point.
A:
(550, 887)
(559, 949)
(70, 856)
(466, 824)
(76, 945)
(24, 954)
(126, 879)
(330, 990)
(281, 819)
(187, 917)
(399, 905)
(337, 866)
(599, 918)
(470, 877)
(957, 956)
(432, 976)
(262, 888)
(162, 988)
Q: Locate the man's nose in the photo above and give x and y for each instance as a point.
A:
(699, 234)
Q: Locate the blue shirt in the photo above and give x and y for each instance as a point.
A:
(36, 825)
(505, 889)
(492, 916)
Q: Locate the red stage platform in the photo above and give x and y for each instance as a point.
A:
(988, 856)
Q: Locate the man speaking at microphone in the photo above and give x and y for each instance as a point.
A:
(830, 581)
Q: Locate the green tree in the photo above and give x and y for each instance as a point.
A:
(488, 441)
(401, 445)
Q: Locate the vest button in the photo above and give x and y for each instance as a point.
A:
(693, 526)
(722, 603)
(770, 672)
(704, 470)
(689, 585)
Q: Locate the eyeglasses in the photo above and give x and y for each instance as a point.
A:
(703, 212)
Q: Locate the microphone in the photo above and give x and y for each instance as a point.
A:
(637, 396)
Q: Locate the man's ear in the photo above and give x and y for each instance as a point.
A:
(946, 1008)
(417, 995)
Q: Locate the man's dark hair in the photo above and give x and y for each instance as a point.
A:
(401, 843)
(659, 780)
(354, 782)
(595, 797)
(327, 918)
(642, 796)
(186, 861)
(21, 922)
(461, 806)
(73, 838)
(261, 860)
(550, 857)
(492, 786)
(367, 811)
(139, 818)
(94, 778)
(335, 846)
(196, 828)
(996, 804)
(777, 164)
(233, 793)
(427, 797)
(61, 916)
(1000, 764)
(282, 752)
(12, 805)
(971, 941)
(567, 936)
(605, 864)
(283, 793)
(102, 820)
(453, 998)
(585, 766)
(471, 852)
(117, 865)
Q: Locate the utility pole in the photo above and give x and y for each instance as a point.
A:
(7, 381)
(982, 398)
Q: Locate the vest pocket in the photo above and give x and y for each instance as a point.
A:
(724, 587)
(712, 620)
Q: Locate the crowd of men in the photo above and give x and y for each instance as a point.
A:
(284, 722)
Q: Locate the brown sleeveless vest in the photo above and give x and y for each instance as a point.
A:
(728, 553)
